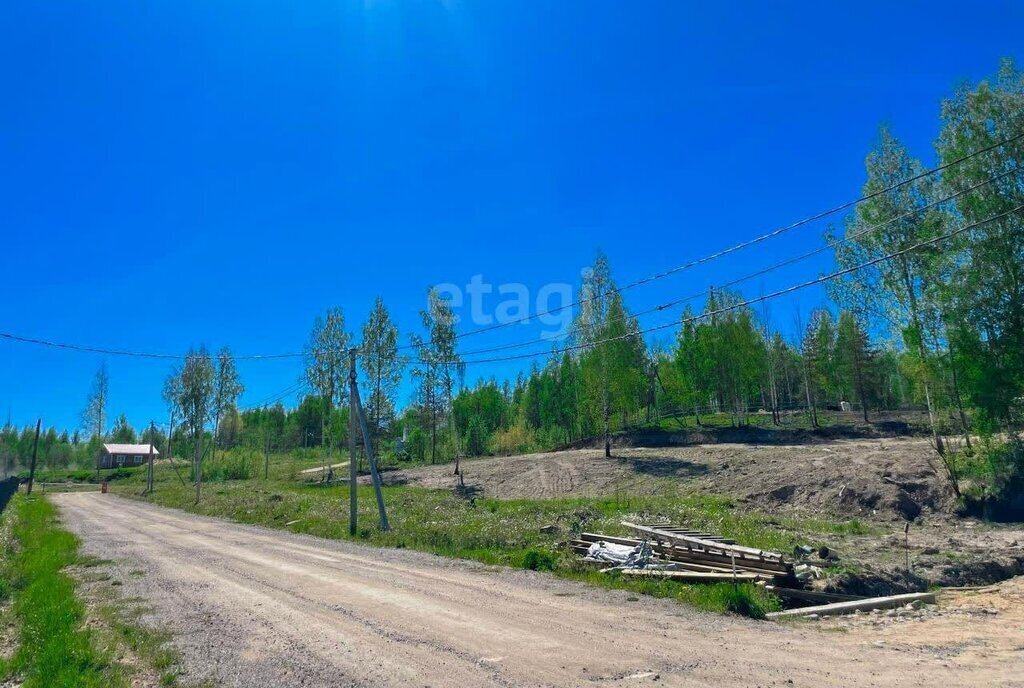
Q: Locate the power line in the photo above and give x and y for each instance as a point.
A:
(748, 302)
(775, 266)
(294, 388)
(631, 285)
(746, 244)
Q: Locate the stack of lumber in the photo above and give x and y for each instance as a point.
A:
(696, 556)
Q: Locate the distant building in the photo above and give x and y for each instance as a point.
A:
(118, 455)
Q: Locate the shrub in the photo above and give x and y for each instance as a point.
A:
(539, 560)
(745, 600)
(236, 464)
(515, 440)
(995, 481)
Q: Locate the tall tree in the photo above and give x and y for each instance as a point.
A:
(96, 407)
(441, 369)
(382, 367)
(854, 362)
(327, 364)
(899, 291)
(985, 285)
(123, 432)
(613, 362)
(227, 387)
(172, 394)
(196, 403)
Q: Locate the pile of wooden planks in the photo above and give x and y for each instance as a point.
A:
(696, 556)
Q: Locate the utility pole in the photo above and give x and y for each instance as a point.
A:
(266, 445)
(149, 477)
(352, 472)
(35, 450)
(371, 459)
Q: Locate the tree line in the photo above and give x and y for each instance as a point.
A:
(939, 325)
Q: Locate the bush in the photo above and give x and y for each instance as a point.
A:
(518, 439)
(236, 464)
(994, 481)
(539, 560)
(745, 600)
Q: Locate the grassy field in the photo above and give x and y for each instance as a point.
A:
(518, 533)
(44, 615)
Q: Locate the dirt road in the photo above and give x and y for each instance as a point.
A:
(256, 607)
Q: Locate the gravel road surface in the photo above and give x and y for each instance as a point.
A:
(255, 607)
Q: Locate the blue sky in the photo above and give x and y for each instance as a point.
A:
(220, 173)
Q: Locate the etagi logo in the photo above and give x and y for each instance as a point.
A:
(513, 303)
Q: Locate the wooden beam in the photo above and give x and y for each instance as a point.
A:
(692, 576)
(701, 543)
(857, 605)
(696, 559)
(677, 553)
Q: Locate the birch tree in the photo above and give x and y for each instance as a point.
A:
(382, 367)
(196, 392)
(227, 388)
(327, 365)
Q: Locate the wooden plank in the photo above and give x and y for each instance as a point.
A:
(688, 558)
(857, 605)
(692, 576)
(691, 542)
(693, 533)
(703, 544)
(700, 556)
(699, 568)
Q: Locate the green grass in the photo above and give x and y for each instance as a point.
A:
(53, 650)
(82, 475)
(523, 533)
(43, 602)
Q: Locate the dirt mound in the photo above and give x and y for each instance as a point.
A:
(881, 479)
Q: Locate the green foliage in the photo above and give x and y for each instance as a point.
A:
(234, 464)
(54, 650)
(993, 477)
(123, 432)
(382, 368)
(539, 560)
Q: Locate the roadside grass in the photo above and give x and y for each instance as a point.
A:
(525, 533)
(59, 640)
(80, 475)
(53, 649)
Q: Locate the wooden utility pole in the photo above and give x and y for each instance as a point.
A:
(266, 445)
(352, 471)
(197, 464)
(371, 459)
(149, 476)
(35, 451)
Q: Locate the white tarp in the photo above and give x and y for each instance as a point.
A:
(622, 556)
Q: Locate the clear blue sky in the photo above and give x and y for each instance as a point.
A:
(180, 173)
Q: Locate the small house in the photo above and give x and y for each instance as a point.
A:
(119, 455)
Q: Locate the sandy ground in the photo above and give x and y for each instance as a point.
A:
(970, 626)
(255, 607)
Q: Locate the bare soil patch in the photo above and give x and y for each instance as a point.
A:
(882, 479)
(883, 482)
